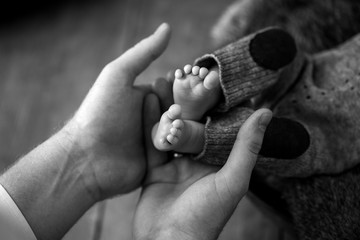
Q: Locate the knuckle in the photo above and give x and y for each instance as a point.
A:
(254, 147)
(115, 66)
(112, 70)
(108, 69)
(152, 54)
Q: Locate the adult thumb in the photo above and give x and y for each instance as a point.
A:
(235, 174)
(135, 60)
(151, 115)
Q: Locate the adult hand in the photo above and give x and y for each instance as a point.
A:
(184, 199)
(108, 125)
(99, 153)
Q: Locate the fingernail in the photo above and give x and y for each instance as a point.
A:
(264, 120)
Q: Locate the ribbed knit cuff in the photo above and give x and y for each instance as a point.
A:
(220, 135)
(243, 71)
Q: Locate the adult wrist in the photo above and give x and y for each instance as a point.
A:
(48, 183)
(78, 147)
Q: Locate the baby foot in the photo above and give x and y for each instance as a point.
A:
(196, 90)
(169, 130)
(172, 133)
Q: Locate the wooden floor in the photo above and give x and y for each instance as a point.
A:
(48, 63)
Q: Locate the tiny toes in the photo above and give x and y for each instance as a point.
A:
(176, 132)
(195, 70)
(178, 124)
(163, 141)
(172, 139)
(178, 73)
(203, 72)
(169, 129)
(173, 131)
(187, 68)
(177, 127)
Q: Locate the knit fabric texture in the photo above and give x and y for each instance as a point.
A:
(325, 207)
(323, 98)
(323, 95)
(236, 62)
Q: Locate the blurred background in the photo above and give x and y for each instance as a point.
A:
(50, 54)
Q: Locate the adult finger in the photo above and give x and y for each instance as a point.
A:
(135, 60)
(151, 115)
(237, 171)
(170, 76)
(163, 89)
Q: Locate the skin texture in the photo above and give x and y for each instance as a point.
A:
(173, 133)
(196, 90)
(196, 93)
(112, 129)
(184, 199)
(101, 152)
(98, 154)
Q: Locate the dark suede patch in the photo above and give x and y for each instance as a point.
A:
(273, 49)
(284, 139)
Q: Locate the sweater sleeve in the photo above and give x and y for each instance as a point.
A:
(220, 135)
(281, 135)
(324, 100)
(246, 70)
(250, 65)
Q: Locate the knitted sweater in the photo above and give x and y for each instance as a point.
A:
(323, 95)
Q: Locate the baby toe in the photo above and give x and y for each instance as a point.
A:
(163, 142)
(178, 73)
(179, 124)
(172, 139)
(195, 70)
(203, 72)
(187, 69)
(175, 132)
